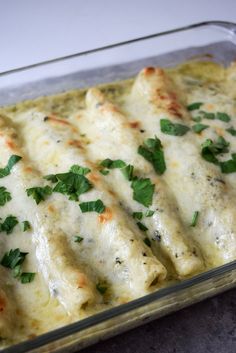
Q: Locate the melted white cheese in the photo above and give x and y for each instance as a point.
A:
(52, 134)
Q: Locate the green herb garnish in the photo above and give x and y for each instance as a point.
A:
(26, 277)
(9, 224)
(13, 258)
(78, 239)
(128, 172)
(147, 242)
(51, 177)
(169, 128)
(207, 115)
(23, 277)
(194, 106)
(229, 166)
(112, 164)
(199, 128)
(142, 226)
(207, 152)
(77, 169)
(92, 206)
(197, 119)
(221, 145)
(137, 215)
(5, 196)
(11, 162)
(39, 193)
(143, 191)
(25, 225)
(210, 149)
(101, 288)
(152, 151)
(16, 271)
(194, 219)
(233, 155)
(149, 213)
(231, 130)
(72, 184)
(223, 117)
(104, 171)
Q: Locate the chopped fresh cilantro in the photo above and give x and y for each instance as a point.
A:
(194, 106)
(221, 145)
(229, 166)
(25, 225)
(207, 115)
(77, 169)
(207, 152)
(39, 193)
(233, 155)
(152, 151)
(101, 288)
(78, 239)
(16, 271)
(169, 128)
(143, 191)
(199, 128)
(223, 117)
(23, 277)
(128, 172)
(5, 196)
(13, 258)
(11, 162)
(149, 213)
(51, 177)
(26, 277)
(142, 226)
(153, 144)
(194, 219)
(147, 242)
(112, 164)
(72, 184)
(137, 215)
(92, 206)
(104, 171)
(8, 225)
(210, 149)
(197, 119)
(231, 130)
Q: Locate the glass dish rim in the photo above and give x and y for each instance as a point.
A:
(111, 313)
(65, 331)
(218, 23)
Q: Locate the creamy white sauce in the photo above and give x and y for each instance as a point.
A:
(54, 133)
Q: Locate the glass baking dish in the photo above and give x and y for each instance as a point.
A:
(215, 41)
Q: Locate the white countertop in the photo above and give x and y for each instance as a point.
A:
(33, 31)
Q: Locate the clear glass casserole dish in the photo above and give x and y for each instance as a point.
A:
(215, 40)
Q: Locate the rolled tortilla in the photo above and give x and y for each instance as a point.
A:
(215, 97)
(194, 181)
(113, 136)
(64, 276)
(115, 246)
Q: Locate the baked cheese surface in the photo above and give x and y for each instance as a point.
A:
(109, 193)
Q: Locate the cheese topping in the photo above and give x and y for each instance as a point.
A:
(113, 192)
